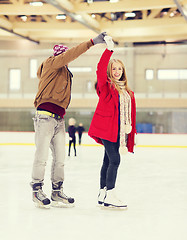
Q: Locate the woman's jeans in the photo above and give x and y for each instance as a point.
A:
(49, 133)
(110, 165)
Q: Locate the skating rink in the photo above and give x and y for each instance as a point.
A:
(153, 182)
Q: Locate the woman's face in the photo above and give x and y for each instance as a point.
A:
(116, 70)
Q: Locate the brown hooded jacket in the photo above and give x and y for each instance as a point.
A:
(55, 78)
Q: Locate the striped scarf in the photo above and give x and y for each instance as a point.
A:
(125, 116)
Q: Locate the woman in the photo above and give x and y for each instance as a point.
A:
(113, 123)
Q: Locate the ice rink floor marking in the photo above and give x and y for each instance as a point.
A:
(97, 145)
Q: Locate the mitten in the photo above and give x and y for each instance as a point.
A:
(99, 38)
(109, 43)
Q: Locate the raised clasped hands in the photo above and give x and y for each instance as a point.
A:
(109, 42)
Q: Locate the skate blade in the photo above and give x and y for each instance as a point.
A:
(100, 204)
(38, 205)
(111, 207)
(61, 204)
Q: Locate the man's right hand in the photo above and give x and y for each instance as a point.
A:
(99, 38)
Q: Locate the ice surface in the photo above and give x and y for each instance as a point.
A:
(153, 182)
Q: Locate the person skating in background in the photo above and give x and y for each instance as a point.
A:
(52, 100)
(80, 130)
(72, 137)
(113, 123)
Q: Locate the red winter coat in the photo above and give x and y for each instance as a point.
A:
(105, 121)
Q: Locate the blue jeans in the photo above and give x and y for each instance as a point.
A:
(110, 165)
(49, 133)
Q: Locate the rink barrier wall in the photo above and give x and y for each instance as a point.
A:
(95, 145)
(142, 140)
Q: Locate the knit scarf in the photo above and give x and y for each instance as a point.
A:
(125, 116)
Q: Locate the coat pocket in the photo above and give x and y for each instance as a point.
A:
(62, 87)
(104, 113)
(103, 120)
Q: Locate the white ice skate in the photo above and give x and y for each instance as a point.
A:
(101, 196)
(111, 201)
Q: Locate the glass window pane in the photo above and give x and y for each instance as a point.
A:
(33, 68)
(89, 86)
(168, 74)
(80, 69)
(183, 74)
(149, 74)
(172, 74)
(15, 79)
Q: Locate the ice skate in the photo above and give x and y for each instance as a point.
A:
(59, 199)
(101, 196)
(111, 201)
(39, 197)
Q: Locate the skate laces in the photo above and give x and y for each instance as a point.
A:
(41, 194)
(62, 194)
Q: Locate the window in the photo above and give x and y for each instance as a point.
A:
(14, 79)
(172, 74)
(183, 74)
(80, 69)
(33, 68)
(89, 86)
(149, 74)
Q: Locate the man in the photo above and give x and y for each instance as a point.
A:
(52, 99)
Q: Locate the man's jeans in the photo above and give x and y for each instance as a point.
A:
(49, 133)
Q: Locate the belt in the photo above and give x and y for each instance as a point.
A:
(54, 115)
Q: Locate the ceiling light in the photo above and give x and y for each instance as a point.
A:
(112, 16)
(24, 18)
(36, 4)
(130, 14)
(172, 14)
(93, 15)
(61, 16)
(78, 17)
(114, 1)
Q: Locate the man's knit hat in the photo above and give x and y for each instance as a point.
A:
(58, 49)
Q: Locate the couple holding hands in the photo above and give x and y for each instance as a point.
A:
(113, 124)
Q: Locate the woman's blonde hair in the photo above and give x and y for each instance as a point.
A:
(123, 76)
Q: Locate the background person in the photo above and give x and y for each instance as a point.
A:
(80, 130)
(72, 137)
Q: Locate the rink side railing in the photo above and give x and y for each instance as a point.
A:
(142, 140)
